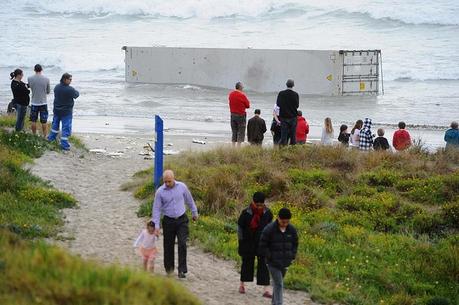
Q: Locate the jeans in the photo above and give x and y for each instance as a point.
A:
(175, 228)
(288, 131)
(21, 111)
(277, 275)
(66, 130)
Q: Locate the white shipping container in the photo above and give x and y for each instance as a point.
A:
(316, 72)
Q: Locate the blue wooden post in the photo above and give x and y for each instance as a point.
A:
(159, 144)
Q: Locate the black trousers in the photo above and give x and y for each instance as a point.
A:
(173, 228)
(288, 131)
(248, 267)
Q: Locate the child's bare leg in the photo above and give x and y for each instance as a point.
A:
(145, 264)
(151, 266)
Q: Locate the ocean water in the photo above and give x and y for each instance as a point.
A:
(419, 42)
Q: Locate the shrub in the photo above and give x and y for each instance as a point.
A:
(382, 177)
(28, 144)
(451, 214)
(47, 197)
(146, 190)
(438, 301)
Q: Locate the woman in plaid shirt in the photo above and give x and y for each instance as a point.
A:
(366, 137)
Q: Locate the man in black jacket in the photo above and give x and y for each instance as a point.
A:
(251, 223)
(256, 128)
(288, 101)
(279, 244)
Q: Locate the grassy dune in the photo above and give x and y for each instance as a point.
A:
(36, 273)
(28, 205)
(375, 228)
(31, 271)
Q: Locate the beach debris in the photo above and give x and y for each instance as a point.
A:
(98, 151)
(151, 147)
(169, 152)
(148, 158)
(199, 141)
(106, 124)
(170, 144)
(208, 119)
(144, 153)
(115, 154)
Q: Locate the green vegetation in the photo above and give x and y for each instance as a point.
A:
(33, 272)
(28, 206)
(375, 228)
(36, 273)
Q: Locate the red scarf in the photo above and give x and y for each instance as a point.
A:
(257, 213)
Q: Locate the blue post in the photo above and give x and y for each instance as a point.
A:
(159, 144)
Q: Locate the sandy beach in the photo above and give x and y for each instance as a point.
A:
(105, 224)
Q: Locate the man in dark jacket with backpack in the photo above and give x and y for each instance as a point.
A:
(251, 223)
(279, 244)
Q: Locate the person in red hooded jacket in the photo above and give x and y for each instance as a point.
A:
(402, 138)
(302, 129)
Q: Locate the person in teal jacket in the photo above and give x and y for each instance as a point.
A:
(452, 136)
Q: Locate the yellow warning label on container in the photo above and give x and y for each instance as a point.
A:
(362, 86)
(134, 73)
(330, 77)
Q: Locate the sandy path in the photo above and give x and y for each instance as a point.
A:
(105, 225)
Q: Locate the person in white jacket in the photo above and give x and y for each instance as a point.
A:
(146, 245)
(327, 133)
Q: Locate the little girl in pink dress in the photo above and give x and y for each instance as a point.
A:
(146, 245)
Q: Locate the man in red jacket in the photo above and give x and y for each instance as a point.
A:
(238, 103)
(302, 129)
(402, 138)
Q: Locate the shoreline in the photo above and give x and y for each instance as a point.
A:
(218, 133)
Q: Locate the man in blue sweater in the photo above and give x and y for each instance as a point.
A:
(64, 99)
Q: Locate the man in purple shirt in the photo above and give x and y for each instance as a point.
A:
(170, 201)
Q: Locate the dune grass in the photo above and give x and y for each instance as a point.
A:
(28, 205)
(375, 228)
(36, 273)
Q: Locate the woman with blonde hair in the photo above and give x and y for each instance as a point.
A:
(327, 132)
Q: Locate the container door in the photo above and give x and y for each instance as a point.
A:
(360, 72)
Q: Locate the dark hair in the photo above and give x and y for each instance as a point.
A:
(343, 128)
(259, 197)
(38, 68)
(257, 111)
(380, 132)
(65, 76)
(401, 125)
(15, 73)
(150, 224)
(238, 85)
(299, 113)
(290, 83)
(358, 125)
(454, 125)
(285, 213)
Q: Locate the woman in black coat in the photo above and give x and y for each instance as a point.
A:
(20, 97)
(251, 223)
